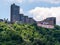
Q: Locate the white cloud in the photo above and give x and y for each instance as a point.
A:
(21, 11)
(40, 13)
(54, 1)
(14, 1)
(31, 1)
(49, 1)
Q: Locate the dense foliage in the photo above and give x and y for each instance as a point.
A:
(28, 34)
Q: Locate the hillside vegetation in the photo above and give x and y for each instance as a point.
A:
(28, 34)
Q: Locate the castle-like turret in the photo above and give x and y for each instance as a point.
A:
(14, 13)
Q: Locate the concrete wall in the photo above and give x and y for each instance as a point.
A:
(46, 26)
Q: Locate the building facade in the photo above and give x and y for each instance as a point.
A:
(1, 20)
(48, 22)
(14, 13)
(16, 17)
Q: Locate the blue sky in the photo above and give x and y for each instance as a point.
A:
(38, 9)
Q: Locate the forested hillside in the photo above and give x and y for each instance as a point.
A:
(28, 34)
